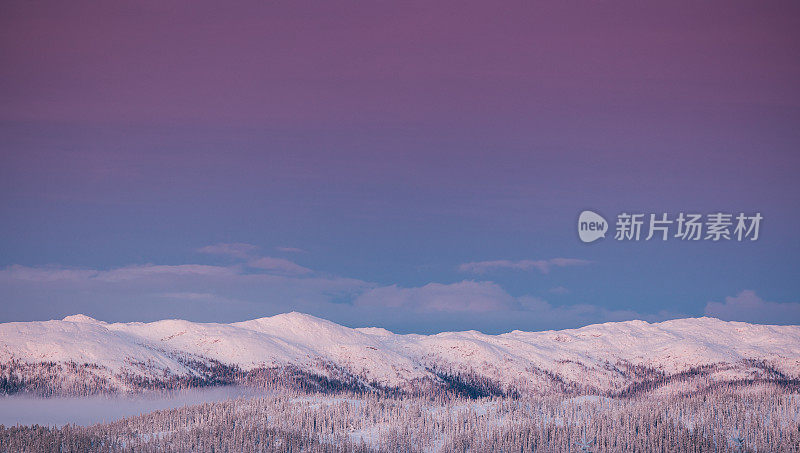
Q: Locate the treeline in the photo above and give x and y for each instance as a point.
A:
(71, 379)
(763, 419)
(74, 379)
(51, 379)
(40, 439)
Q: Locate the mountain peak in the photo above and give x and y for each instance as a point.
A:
(293, 318)
(292, 322)
(297, 315)
(80, 317)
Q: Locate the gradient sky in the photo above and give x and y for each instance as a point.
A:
(220, 162)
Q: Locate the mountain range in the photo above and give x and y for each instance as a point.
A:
(82, 355)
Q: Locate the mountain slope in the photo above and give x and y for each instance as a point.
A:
(605, 358)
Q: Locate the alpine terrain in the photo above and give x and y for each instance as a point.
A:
(80, 355)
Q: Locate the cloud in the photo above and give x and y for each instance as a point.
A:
(237, 292)
(747, 306)
(481, 305)
(46, 274)
(49, 274)
(151, 270)
(191, 296)
(233, 249)
(579, 314)
(290, 250)
(279, 265)
(543, 266)
(190, 291)
(466, 296)
(559, 290)
(490, 300)
(266, 263)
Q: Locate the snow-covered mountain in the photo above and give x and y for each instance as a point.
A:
(617, 357)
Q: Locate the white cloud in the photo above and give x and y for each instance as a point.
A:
(481, 305)
(290, 249)
(466, 296)
(233, 293)
(747, 306)
(46, 274)
(233, 249)
(49, 274)
(191, 296)
(490, 301)
(195, 291)
(578, 314)
(543, 266)
(247, 252)
(151, 270)
(278, 265)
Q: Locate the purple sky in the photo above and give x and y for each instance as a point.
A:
(355, 160)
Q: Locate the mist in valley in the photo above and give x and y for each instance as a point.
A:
(88, 410)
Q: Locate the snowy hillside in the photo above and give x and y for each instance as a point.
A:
(606, 358)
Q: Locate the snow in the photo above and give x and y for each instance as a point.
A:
(82, 318)
(575, 355)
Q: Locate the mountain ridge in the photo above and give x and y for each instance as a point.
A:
(599, 358)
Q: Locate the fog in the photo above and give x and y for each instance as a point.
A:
(59, 411)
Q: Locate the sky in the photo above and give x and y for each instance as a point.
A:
(419, 166)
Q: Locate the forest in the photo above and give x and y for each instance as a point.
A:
(727, 418)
